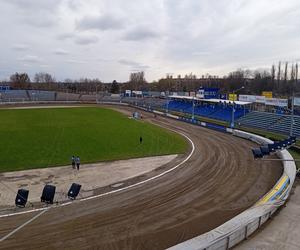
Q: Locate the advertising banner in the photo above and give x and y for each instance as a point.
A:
(127, 92)
(232, 97)
(247, 98)
(297, 101)
(208, 93)
(200, 93)
(137, 92)
(4, 88)
(267, 94)
(260, 99)
(277, 102)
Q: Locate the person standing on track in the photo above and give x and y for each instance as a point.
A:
(77, 160)
(73, 161)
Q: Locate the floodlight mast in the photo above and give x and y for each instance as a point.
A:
(293, 101)
(292, 116)
(167, 106)
(96, 93)
(193, 109)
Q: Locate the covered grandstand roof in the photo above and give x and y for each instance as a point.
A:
(208, 100)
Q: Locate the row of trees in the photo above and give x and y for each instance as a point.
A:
(281, 79)
(45, 81)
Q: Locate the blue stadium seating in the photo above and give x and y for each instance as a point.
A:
(214, 111)
(270, 121)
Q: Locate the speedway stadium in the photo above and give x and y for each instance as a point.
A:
(158, 171)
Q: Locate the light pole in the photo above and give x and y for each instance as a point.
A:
(167, 107)
(232, 114)
(193, 109)
(96, 93)
(292, 116)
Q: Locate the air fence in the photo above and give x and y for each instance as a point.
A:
(243, 225)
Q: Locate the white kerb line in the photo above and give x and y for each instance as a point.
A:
(23, 225)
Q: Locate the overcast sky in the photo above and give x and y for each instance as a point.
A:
(108, 39)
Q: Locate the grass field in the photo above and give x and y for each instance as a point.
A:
(35, 138)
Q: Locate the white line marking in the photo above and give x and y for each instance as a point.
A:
(23, 225)
(118, 190)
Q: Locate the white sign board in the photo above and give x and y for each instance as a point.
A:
(277, 102)
(137, 92)
(200, 94)
(260, 99)
(247, 98)
(297, 101)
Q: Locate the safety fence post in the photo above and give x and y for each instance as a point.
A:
(228, 241)
(246, 232)
(259, 222)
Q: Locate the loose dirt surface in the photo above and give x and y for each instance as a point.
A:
(90, 176)
(219, 181)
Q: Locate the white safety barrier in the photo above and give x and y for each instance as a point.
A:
(240, 227)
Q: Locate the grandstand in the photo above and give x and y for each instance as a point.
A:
(14, 96)
(147, 102)
(270, 121)
(211, 108)
(40, 95)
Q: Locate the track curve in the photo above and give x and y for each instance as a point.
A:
(220, 180)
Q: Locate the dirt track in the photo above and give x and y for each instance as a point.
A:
(219, 181)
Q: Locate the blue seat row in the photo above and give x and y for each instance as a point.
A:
(214, 111)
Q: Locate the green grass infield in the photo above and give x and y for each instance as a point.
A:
(37, 138)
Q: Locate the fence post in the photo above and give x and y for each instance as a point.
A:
(227, 243)
(246, 232)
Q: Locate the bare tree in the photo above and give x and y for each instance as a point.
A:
(137, 79)
(292, 74)
(20, 81)
(279, 72)
(273, 72)
(43, 77)
(285, 72)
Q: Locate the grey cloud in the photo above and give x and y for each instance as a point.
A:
(134, 65)
(60, 52)
(105, 22)
(20, 47)
(36, 13)
(74, 61)
(34, 4)
(85, 40)
(74, 5)
(30, 59)
(139, 34)
(170, 36)
(65, 36)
